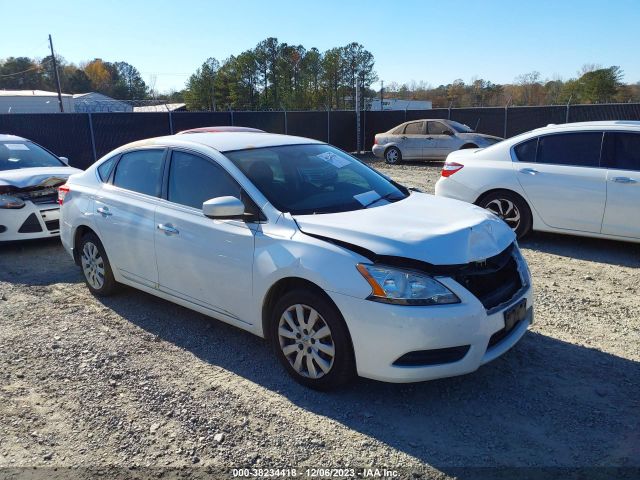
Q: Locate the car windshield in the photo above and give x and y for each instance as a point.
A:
(314, 179)
(18, 154)
(460, 127)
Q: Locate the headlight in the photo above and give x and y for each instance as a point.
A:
(391, 285)
(10, 202)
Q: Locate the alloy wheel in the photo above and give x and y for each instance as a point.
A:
(305, 339)
(392, 155)
(506, 210)
(92, 265)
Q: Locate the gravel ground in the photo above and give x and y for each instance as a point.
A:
(134, 381)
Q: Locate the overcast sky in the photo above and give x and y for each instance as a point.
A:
(424, 40)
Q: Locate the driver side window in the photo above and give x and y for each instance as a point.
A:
(193, 180)
(437, 128)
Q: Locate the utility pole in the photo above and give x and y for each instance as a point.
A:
(358, 115)
(55, 72)
(381, 94)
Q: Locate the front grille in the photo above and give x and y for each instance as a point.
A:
(40, 196)
(495, 282)
(53, 225)
(422, 358)
(30, 225)
(45, 199)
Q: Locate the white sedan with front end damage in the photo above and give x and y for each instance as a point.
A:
(343, 270)
(29, 177)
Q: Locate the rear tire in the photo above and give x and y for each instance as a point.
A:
(311, 340)
(95, 265)
(511, 208)
(392, 155)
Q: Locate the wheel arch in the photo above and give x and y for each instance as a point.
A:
(535, 218)
(284, 285)
(80, 231)
(468, 145)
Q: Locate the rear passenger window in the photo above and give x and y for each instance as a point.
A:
(414, 128)
(140, 171)
(579, 149)
(193, 180)
(526, 152)
(621, 151)
(104, 170)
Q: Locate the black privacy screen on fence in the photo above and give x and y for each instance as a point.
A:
(65, 134)
(84, 137)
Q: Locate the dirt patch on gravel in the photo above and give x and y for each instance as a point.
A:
(136, 381)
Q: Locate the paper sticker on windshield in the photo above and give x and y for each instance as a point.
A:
(367, 198)
(333, 159)
(16, 146)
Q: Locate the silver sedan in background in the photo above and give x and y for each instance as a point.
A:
(427, 139)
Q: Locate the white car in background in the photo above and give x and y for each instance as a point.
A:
(29, 177)
(292, 239)
(576, 178)
(429, 139)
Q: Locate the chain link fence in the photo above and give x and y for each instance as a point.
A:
(85, 137)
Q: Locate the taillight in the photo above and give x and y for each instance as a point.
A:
(62, 192)
(375, 140)
(449, 168)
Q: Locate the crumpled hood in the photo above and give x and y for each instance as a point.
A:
(436, 230)
(36, 177)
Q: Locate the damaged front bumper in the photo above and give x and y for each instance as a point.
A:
(40, 215)
(34, 220)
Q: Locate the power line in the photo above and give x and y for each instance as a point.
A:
(37, 67)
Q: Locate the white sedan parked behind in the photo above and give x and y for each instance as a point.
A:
(576, 178)
(342, 269)
(29, 177)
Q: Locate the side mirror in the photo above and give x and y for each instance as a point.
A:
(448, 132)
(223, 208)
(64, 160)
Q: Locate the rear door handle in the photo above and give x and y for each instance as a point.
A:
(104, 211)
(624, 180)
(168, 229)
(429, 138)
(403, 138)
(529, 171)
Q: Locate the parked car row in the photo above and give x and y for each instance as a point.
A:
(343, 270)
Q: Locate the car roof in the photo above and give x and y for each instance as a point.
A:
(607, 124)
(221, 128)
(225, 141)
(9, 138)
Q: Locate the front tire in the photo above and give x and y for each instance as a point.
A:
(392, 155)
(311, 340)
(96, 268)
(511, 208)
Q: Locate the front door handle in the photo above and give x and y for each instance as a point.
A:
(429, 138)
(168, 229)
(529, 171)
(104, 211)
(624, 180)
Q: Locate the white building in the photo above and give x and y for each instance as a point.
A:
(33, 101)
(397, 104)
